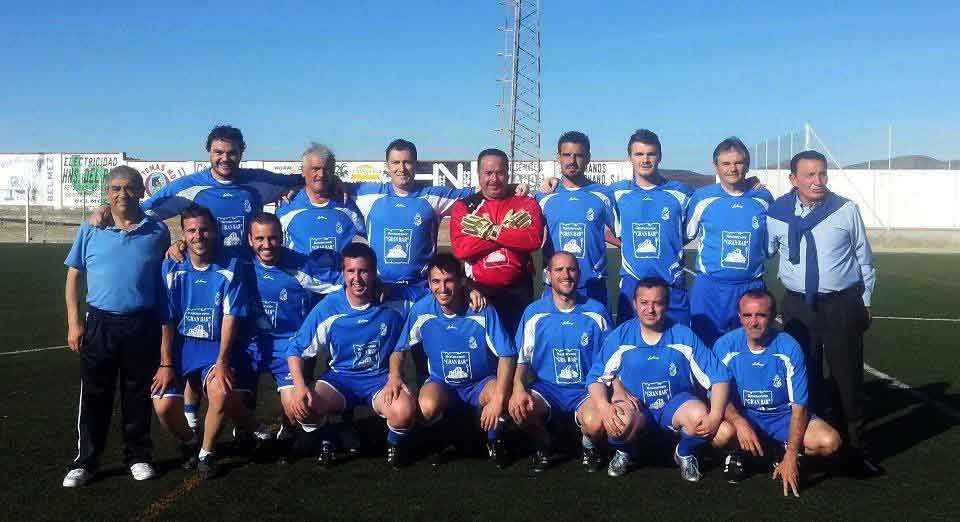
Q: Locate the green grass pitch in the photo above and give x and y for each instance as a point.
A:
(915, 442)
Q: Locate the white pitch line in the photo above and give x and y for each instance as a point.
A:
(894, 383)
(942, 319)
(35, 350)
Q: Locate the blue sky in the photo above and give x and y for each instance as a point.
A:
(152, 81)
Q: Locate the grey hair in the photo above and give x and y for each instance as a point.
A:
(731, 143)
(125, 171)
(321, 151)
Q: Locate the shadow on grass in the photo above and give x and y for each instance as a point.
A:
(897, 420)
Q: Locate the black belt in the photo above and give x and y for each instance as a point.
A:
(93, 311)
(856, 289)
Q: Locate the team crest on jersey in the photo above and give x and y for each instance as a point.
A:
(283, 294)
(383, 329)
(673, 370)
(584, 340)
(339, 227)
(472, 343)
(246, 206)
(755, 223)
(417, 219)
(776, 381)
(590, 214)
(665, 214)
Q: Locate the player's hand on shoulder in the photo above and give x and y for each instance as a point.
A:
(477, 300)
(522, 189)
(101, 217)
(176, 250)
(549, 185)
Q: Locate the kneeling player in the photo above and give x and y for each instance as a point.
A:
(284, 285)
(651, 365)
(770, 383)
(470, 358)
(360, 336)
(206, 297)
(559, 337)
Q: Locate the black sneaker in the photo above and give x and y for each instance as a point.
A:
(539, 462)
(592, 460)
(188, 454)
(396, 457)
(207, 467)
(733, 469)
(328, 455)
(497, 452)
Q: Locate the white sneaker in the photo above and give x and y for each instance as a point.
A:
(76, 478)
(143, 471)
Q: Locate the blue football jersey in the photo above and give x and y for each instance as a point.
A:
(402, 230)
(330, 227)
(281, 296)
(561, 345)
(460, 349)
(769, 381)
(232, 203)
(576, 219)
(359, 340)
(650, 226)
(655, 373)
(732, 230)
(199, 298)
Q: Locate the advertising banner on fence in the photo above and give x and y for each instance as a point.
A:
(36, 174)
(82, 177)
(156, 174)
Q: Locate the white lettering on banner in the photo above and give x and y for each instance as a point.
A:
(396, 245)
(573, 237)
(757, 398)
(656, 394)
(735, 250)
(198, 322)
(566, 365)
(456, 367)
(646, 240)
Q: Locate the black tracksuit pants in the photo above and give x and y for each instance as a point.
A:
(115, 345)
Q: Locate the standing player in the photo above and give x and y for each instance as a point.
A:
(315, 220)
(730, 218)
(360, 336)
(284, 287)
(577, 216)
(770, 398)
(470, 357)
(121, 331)
(650, 212)
(207, 298)
(495, 232)
(560, 337)
(653, 367)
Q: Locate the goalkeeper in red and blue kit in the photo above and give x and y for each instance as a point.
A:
(494, 232)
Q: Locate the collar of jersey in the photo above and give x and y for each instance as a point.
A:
(204, 269)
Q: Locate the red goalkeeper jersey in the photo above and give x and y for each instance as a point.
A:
(505, 260)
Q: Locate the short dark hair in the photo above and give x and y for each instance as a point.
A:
(401, 144)
(195, 211)
(266, 218)
(652, 282)
(125, 171)
(573, 137)
(731, 143)
(806, 155)
(227, 133)
(562, 253)
(493, 152)
(647, 137)
(357, 250)
(446, 263)
(759, 293)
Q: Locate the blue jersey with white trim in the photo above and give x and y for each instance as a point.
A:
(576, 219)
(650, 226)
(232, 203)
(769, 381)
(732, 230)
(402, 230)
(283, 294)
(655, 373)
(359, 340)
(561, 346)
(199, 298)
(461, 349)
(328, 227)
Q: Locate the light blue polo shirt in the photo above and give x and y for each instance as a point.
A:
(123, 268)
